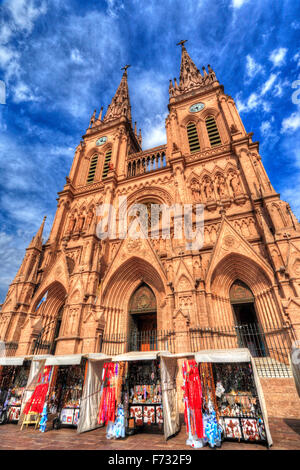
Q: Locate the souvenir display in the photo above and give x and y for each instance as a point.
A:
(44, 418)
(35, 404)
(212, 427)
(107, 406)
(13, 380)
(143, 387)
(65, 395)
(238, 402)
(193, 404)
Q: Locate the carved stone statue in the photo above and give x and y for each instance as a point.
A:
(221, 186)
(235, 184)
(195, 187)
(71, 225)
(80, 224)
(208, 188)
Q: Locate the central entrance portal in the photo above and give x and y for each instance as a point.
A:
(249, 332)
(143, 320)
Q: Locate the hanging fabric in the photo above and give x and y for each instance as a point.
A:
(168, 368)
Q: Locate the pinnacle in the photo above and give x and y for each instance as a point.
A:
(120, 104)
(37, 240)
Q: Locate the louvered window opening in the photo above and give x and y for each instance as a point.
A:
(193, 138)
(92, 169)
(106, 163)
(213, 133)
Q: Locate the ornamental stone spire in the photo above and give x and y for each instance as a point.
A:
(120, 104)
(37, 240)
(189, 74)
(190, 77)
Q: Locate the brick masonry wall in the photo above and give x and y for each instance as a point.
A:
(281, 398)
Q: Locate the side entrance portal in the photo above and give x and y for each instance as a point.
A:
(143, 320)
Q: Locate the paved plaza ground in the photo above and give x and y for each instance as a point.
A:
(285, 434)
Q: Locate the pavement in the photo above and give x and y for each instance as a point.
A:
(285, 434)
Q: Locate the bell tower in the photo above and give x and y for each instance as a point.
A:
(107, 141)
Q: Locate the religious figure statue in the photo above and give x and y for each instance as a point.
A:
(89, 218)
(235, 184)
(195, 187)
(71, 225)
(208, 188)
(221, 187)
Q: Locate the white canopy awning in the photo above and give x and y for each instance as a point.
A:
(177, 355)
(67, 360)
(139, 356)
(38, 357)
(98, 357)
(223, 355)
(12, 361)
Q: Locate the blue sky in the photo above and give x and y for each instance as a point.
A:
(61, 59)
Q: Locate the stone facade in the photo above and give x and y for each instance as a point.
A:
(250, 234)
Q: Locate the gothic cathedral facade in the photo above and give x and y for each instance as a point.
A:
(94, 289)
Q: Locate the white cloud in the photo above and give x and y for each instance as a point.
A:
(23, 93)
(238, 3)
(277, 56)
(252, 67)
(76, 56)
(25, 12)
(154, 131)
(5, 33)
(296, 58)
(254, 101)
(291, 123)
(268, 84)
(6, 55)
(265, 128)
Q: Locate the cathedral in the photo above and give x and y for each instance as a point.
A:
(76, 294)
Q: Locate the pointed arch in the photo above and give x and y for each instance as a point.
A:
(119, 287)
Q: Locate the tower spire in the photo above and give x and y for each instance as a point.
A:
(190, 77)
(37, 240)
(189, 74)
(120, 104)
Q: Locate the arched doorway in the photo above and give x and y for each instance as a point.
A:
(56, 329)
(249, 332)
(143, 319)
(49, 307)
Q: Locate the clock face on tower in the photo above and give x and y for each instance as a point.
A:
(101, 141)
(195, 108)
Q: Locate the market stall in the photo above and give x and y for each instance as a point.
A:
(129, 393)
(34, 406)
(14, 372)
(92, 392)
(232, 400)
(66, 389)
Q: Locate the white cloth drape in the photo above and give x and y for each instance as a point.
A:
(91, 395)
(168, 370)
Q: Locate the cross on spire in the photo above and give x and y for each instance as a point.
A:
(125, 68)
(181, 43)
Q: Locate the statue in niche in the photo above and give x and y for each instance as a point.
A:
(80, 224)
(195, 187)
(89, 218)
(208, 188)
(235, 184)
(170, 273)
(221, 186)
(72, 222)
